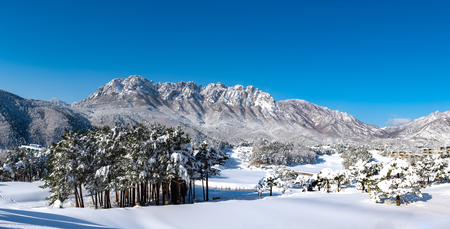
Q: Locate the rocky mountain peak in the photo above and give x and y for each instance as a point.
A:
(58, 102)
(133, 86)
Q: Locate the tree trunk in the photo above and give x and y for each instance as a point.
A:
(203, 187)
(270, 190)
(167, 192)
(178, 191)
(93, 201)
(157, 194)
(328, 186)
(81, 197)
(134, 201)
(138, 194)
(190, 190)
(100, 195)
(363, 188)
(76, 197)
(107, 199)
(398, 201)
(122, 198)
(207, 188)
(96, 200)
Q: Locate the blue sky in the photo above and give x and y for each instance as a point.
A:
(380, 61)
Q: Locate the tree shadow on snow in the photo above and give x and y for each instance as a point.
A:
(410, 198)
(231, 163)
(413, 198)
(44, 219)
(320, 161)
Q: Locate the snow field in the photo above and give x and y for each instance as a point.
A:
(22, 206)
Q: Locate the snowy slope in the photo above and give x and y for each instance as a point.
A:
(25, 121)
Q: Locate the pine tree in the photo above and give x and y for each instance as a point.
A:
(209, 157)
(66, 174)
(395, 180)
(362, 171)
(423, 168)
(325, 177)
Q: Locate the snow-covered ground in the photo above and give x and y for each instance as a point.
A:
(22, 206)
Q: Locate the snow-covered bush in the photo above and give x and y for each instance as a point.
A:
(304, 182)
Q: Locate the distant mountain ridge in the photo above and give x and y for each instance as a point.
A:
(216, 112)
(24, 121)
(230, 113)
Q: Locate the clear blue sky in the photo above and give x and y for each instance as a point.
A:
(376, 60)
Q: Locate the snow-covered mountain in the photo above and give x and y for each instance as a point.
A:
(58, 102)
(24, 121)
(435, 126)
(216, 112)
(229, 113)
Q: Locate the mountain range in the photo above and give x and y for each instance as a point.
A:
(216, 112)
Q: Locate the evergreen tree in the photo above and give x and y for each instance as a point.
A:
(363, 171)
(209, 157)
(395, 180)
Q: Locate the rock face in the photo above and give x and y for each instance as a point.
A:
(220, 112)
(24, 121)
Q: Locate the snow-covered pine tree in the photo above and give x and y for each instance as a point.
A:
(66, 175)
(162, 147)
(325, 177)
(423, 168)
(341, 177)
(134, 162)
(286, 179)
(362, 171)
(209, 157)
(269, 180)
(395, 180)
(353, 155)
(14, 164)
(438, 169)
(181, 161)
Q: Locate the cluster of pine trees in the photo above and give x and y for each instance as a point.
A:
(24, 165)
(133, 165)
(278, 153)
(352, 155)
(390, 180)
(394, 179)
